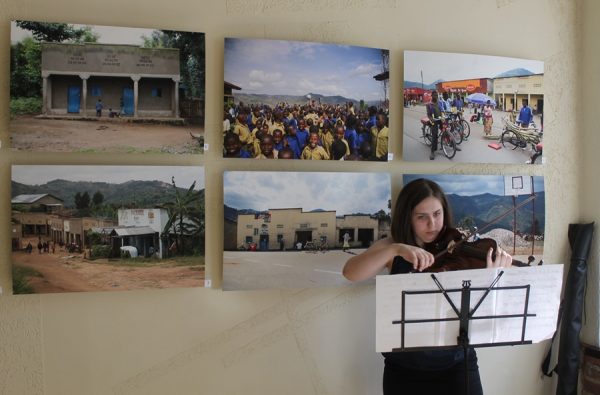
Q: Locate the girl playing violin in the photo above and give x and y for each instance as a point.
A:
(421, 215)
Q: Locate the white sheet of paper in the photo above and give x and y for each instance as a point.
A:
(544, 298)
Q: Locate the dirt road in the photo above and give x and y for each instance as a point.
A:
(64, 272)
(106, 135)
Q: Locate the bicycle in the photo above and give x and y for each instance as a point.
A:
(461, 124)
(515, 136)
(445, 138)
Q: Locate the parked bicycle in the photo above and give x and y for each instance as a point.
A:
(445, 138)
(515, 136)
(463, 124)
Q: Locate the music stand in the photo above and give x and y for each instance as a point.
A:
(464, 316)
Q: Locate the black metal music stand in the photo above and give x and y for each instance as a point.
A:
(464, 316)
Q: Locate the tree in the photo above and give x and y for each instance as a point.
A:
(54, 32)
(82, 200)
(26, 55)
(97, 199)
(186, 217)
(25, 66)
(191, 56)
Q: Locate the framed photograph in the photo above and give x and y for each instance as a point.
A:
(298, 229)
(305, 100)
(106, 228)
(87, 88)
(472, 108)
(508, 209)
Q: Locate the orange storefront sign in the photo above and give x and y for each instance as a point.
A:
(469, 86)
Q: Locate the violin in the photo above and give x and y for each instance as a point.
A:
(452, 251)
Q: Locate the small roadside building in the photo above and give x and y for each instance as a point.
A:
(141, 228)
(130, 80)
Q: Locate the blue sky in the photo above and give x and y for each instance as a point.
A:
(456, 66)
(468, 185)
(37, 175)
(346, 193)
(298, 68)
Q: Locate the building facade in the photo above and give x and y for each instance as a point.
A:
(279, 229)
(510, 92)
(130, 80)
(142, 228)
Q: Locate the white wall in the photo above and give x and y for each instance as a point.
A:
(317, 341)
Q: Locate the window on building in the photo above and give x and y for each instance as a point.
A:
(303, 226)
(156, 92)
(249, 226)
(279, 237)
(255, 231)
(249, 239)
(96, 91)
(279, 226)
(537, 85)
(324, 225)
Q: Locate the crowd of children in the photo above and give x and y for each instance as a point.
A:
(312, 131)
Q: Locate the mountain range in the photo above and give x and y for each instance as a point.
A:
(481, 209)
(485, 207)
(272, 100)
(146, 194)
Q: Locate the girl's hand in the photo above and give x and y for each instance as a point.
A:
(503, 259)
(418, 257)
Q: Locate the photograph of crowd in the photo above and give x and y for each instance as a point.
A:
(303, 100)
(506, 209)
(106, 228)
(92, 88)
(472, 108)
(297, 229)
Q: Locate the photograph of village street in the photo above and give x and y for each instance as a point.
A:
(488, 109)
(305, 100)
(508, 209)
(298, 229)
(99, 89)
(106, 228)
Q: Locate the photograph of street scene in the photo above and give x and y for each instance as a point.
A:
(297, 230)
(106, 228)
(510, 210)
(472, 108)
(86, 88)
(305, 100)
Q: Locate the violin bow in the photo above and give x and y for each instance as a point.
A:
(490, 223)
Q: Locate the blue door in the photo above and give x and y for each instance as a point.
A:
(73, 99)
(127, 101)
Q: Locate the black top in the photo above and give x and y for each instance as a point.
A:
(422, 360)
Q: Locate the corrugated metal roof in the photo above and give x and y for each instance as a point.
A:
(134, 231)
(27, 198)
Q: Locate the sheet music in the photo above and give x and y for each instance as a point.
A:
(544, 299)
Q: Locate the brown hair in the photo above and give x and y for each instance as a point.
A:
(411, 195)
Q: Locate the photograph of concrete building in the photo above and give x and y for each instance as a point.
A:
(96, 228)
(105, 88)
(511, 131)
(296, 230)
(336, 91)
